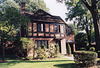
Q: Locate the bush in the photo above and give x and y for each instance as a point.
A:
(51, 50)
(41, 53)
(22, 47)
(56, 50)
(85, 58)
(92, 49)
(69, 50)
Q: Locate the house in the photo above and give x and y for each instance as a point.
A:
(45, 28)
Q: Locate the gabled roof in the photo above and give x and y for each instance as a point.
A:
(43, 16)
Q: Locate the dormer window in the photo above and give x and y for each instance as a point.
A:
(57, 28)
(40, 27)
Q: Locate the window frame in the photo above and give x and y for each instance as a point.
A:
(57, 28)
(40, 27)
(42, 42)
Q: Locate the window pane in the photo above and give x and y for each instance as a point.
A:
(41, 27)
(57, 28)
(41, 43)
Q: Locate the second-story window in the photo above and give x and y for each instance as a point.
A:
(57, 28)
(67, 32)
(40, 27)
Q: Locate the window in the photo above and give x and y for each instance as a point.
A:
(57, 28)
(40, 27)
(41, 43)
(67, 32)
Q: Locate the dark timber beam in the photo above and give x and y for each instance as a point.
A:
(32, 29)
(49, 29)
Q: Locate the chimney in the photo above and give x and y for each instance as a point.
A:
(23, 7)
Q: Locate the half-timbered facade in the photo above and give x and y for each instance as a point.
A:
(45, 28)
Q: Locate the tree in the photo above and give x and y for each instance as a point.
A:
(92, 6)
(81, 41)
(9, 3)
(10, 21)
(74, 28)
(81, 16)
(31, 5)
(34, 5)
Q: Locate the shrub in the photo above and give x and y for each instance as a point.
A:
(69, 50)
(51, 50)
(85, 58)
(23, 46)
(92, 49)
(56, 50)
(41, 53)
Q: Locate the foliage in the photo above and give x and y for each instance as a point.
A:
(26, 43)
(22, 46)
(51, 50)
(57, 50)
(41, 53)
(74, 28)
(9, 3)
(85, 58)
(31, 5)
(10, 22)
(92, 11)
(92, 49)
(69, 50)
(81, 40)
(34, 5)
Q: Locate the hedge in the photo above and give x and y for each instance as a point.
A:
(85, 58)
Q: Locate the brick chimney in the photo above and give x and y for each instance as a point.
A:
(23, 7)
(22, 29)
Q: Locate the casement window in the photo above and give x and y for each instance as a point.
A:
(41, 43)
(57, 28)
(40, 27)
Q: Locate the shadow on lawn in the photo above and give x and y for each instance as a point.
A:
(68, 65)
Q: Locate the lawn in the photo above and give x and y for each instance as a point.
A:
(49, 63)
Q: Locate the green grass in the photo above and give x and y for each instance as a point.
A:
(49, 63)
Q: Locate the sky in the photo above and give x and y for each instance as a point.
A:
(57, 9)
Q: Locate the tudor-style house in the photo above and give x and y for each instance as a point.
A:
(45, 28)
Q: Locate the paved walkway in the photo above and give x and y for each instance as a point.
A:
(69, 57)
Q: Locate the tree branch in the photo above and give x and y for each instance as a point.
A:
(86, 4)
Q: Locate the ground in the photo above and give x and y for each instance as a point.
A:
(49, 63)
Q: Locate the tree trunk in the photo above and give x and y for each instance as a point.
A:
(96, 23)
(3, 50)
(88, 35)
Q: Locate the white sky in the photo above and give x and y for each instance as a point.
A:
(57, 9)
